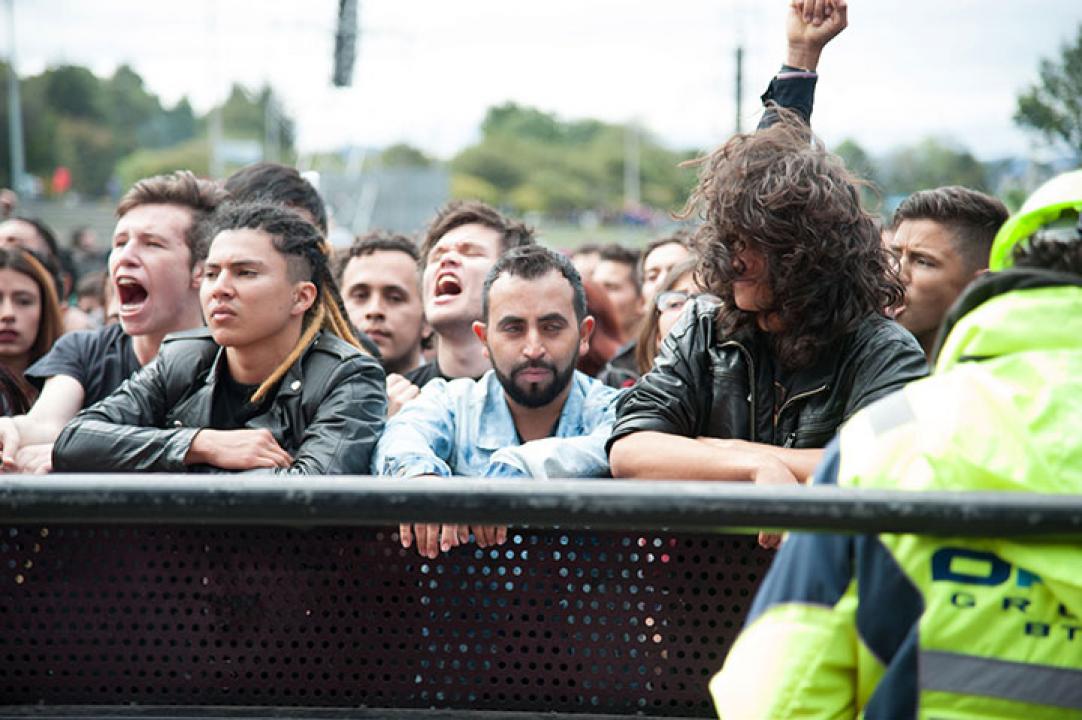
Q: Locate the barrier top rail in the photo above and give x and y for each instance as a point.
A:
(263, 499)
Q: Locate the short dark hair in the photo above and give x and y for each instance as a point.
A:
(971, 217)
(586, 249)
(277, 185)
(681, 237)
(529, 263)
(455, 214)
(614, 252)
(44, 232)
(182, 188)
(378, 241)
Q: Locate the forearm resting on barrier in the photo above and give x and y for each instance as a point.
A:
(660, 456)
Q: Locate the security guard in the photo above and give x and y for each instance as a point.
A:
(898, 626)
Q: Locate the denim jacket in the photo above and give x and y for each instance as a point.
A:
(464, 427)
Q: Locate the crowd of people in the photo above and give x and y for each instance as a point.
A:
(733, 350)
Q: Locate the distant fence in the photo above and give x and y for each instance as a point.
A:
(63, 217)
(398, 199)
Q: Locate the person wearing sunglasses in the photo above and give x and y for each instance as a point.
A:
(673, 295)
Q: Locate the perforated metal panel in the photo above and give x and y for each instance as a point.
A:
(597, 622)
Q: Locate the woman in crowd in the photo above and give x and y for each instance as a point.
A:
(30, 320)
(679, 287)
(34, 235)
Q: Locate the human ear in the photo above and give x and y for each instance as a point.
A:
(481, 331)
(586, 330)
(304, 295)
(197, 274)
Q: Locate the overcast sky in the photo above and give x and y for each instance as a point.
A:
(428, 69)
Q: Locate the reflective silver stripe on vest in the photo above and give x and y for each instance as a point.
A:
(969, 675)
(892, 411)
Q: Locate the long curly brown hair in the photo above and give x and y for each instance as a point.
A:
(780, 192)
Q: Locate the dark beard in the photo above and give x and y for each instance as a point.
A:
(536, 397)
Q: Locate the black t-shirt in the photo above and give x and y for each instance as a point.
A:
(230, 408)
(421, 375)
(99, 359)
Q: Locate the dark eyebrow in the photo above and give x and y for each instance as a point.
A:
(552, 316)
(242, 263)
(508, 319)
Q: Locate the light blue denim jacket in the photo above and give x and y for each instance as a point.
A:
(464, 427)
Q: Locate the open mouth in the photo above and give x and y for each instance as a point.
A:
(448, 285)
(130, 293)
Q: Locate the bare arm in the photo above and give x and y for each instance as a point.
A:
(800, 461)
(60, 400)
(660, 456)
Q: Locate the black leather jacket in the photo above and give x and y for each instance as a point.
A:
(328, 412)
(703, 385)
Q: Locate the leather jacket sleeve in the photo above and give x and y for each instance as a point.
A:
(790, 89)
(671, 397)
(123, 431)
(340, 437)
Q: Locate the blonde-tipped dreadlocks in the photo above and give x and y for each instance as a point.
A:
(308, 257)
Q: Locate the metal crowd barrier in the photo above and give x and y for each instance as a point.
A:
(259, 596)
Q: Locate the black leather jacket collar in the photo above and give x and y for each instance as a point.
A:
(706, 385)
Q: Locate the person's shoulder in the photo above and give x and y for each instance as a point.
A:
(333, 345)
(334, 355)
(197, 335)
(189, 343)
(92, 337)
(592, 388)
(877, 331)
(82, 345)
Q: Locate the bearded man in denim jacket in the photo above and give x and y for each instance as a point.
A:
(532, 415)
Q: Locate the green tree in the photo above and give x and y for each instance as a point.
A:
(521, 122)
(130, 108)
(932, 163)
(1053, 106)
(193, 155)
(403, 155)
(534, 161)
(74, 92)
(857, 159)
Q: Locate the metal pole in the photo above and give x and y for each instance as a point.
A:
(15, 113)
(739, 88)
(599, 504)
(214, 126)
(632, 172)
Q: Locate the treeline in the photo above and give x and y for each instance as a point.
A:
(533, 161)
(111, 131)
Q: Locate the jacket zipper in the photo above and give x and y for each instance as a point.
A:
(799, 396)
(751, 383)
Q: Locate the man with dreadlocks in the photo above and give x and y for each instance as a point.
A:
(276, 381)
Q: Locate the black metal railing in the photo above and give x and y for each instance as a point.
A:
(258, 499)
